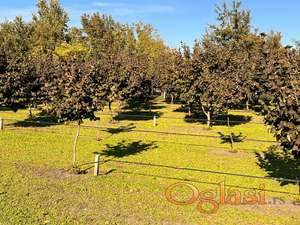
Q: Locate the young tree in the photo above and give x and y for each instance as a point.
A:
(150, 46)
(107, 41)
(25, 48)
(20, 84)
(234, 31)
(186, 74)
(220, 71)
(281, 84)
(215, 87)
(74, 90)
(168, 68)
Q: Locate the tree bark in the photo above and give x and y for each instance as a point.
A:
(110, 110)
(247, 105)
(190, 113)
(30, 112)
(208, 115)
(119, 106)
(172, 99)
(109, 105)
(75, 143)
(231, 142)
(165, 95)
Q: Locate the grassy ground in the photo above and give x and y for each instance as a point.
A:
(36, 188)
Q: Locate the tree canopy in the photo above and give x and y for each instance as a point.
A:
(77, 71)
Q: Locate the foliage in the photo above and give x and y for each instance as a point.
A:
(19, 83)
(283, 84)
(75, 71)
(49, 25)
(74, 88)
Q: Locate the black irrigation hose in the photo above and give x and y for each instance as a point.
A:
(49, 131)
(145, 131)
(172, 133)
(192, 169)
(208, 171)
(197, 170)
(197, 145)
(32, 121)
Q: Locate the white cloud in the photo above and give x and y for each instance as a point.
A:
(107, 4)
(123, 9)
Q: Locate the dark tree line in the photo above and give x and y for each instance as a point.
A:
(74, 72)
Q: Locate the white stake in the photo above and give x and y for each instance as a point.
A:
(154, 121)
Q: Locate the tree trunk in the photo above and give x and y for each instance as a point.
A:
(208, 116)
(190, 113)
(231, 142)
(247, 105)
(109, 105)
(228, 121)
(165, 95)
(172, 99)
(110, 110)
(75, 143)
(119, 106)
(30, 112)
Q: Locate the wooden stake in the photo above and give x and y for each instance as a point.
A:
(1, 124)
(154, 121)
(96, 165)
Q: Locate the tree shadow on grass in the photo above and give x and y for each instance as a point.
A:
(137, 116)
(231, 138)
(181, 109)
(252, 107)
(121, 129)
(139, 106)
(3, 109)
(12, 108)
(40, 120)
(257, 108)
(279, 164)
(219, 120)
(153, 106)
(123, 149)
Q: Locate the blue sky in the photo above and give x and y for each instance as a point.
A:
(176, 20)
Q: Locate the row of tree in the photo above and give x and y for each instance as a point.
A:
(234, 64)
(75, 72)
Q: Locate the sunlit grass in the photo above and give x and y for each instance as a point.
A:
(36, 189)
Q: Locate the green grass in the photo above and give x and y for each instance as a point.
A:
(35, 187)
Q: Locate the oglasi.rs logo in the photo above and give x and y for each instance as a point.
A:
(209, 201)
